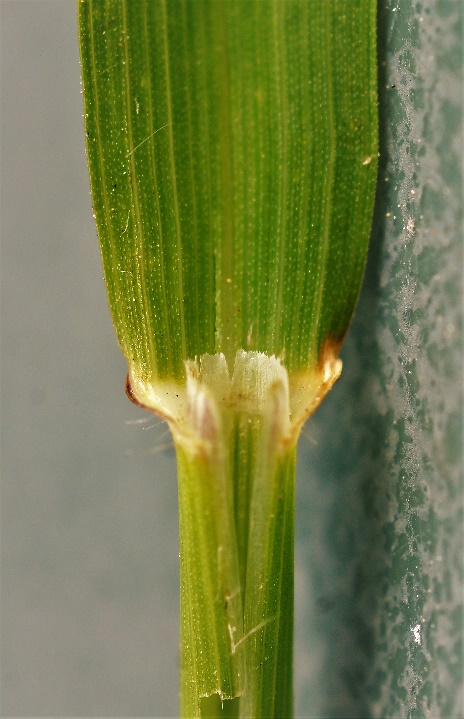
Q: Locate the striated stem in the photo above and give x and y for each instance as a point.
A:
(210, 602)
(236, 501)
(222, 652)
(268, 617)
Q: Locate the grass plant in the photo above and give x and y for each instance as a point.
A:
(232, 148)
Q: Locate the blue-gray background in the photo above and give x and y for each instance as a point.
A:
(89, 552)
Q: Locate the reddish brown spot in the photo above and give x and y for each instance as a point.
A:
(131, 395)
(329, 351)
(134, 399)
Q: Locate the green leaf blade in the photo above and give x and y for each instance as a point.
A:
(233, 153)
